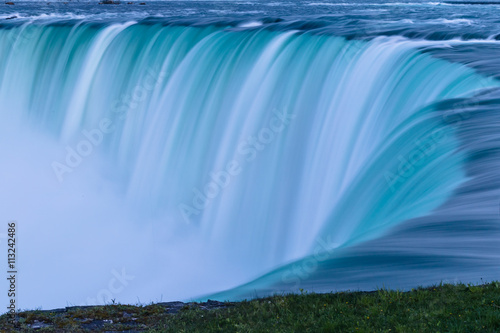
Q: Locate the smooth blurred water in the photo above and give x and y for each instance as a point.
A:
(182, 148)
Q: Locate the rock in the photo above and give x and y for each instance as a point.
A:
(11, 17)
(38, 324)
(74, 308)
(212, 303)
(172, 307)
(96, 325)
(9, 3)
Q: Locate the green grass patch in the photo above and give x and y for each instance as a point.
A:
(443, 308)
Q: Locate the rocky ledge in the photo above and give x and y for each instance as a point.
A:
(109, 318)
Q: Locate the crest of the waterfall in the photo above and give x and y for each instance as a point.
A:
(236, 150)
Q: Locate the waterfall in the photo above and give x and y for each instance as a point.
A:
(179, 152)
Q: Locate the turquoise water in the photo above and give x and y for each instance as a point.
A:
(183, 149)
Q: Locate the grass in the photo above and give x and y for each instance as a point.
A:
(442, 308)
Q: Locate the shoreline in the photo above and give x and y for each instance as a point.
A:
(443, 307)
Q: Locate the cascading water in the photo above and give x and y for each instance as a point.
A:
(198, 158)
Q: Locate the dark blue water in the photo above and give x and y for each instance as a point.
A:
(356, 19)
